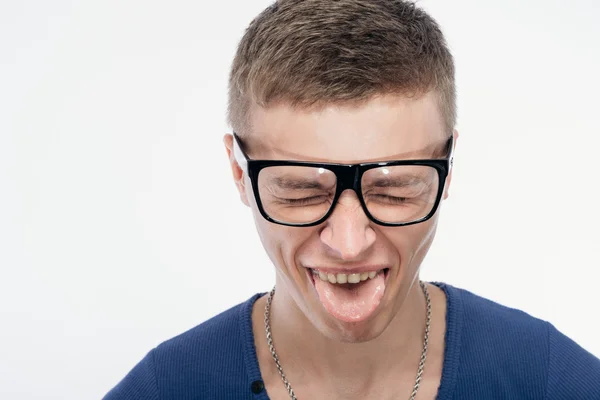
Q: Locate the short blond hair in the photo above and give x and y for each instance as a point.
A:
(309, 53)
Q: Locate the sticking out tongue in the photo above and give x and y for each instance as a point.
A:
(351, 302)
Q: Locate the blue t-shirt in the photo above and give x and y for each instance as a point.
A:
(491, 352)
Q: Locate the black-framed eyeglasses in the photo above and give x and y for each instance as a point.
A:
(302, 193)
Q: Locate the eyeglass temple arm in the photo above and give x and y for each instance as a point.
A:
(239, 155)
(451, 152)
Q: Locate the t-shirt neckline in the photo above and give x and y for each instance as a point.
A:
(454, 320)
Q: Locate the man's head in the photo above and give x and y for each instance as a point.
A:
(308, 53)
(349, 81)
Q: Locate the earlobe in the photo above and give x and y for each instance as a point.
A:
(237, 172)
(242, 190)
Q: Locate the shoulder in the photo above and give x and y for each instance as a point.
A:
(213, 355)
(500, 352)
(483, 315)
(509, 352)
(572, 371)
(503, 346)
(493, 325)
(223, 331)
(195, 362)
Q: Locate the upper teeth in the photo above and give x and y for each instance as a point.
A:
(345, 278)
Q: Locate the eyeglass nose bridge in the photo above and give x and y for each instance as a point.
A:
(348, 177)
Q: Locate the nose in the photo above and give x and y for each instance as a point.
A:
(348, 232)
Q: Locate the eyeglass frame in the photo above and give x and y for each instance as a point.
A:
(348, 176)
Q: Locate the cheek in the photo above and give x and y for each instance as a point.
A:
(281, 243)
(413, 241)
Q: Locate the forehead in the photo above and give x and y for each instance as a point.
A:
(385, 127)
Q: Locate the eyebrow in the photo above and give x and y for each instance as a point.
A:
(397, 183)
(297, 184)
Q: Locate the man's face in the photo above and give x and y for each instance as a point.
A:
(382, 129)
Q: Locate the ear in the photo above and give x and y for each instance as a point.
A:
(239, 177)
(449, 177)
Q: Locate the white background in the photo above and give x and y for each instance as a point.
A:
(120, 226)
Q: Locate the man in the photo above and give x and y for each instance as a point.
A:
(344, 115)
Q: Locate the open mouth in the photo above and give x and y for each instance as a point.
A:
(351, 296)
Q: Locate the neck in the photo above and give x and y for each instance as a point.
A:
(395, 352)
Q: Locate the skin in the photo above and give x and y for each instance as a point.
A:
(376, 358)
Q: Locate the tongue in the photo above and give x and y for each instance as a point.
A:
(351, 302)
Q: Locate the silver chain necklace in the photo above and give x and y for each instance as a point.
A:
(280, 369)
